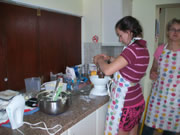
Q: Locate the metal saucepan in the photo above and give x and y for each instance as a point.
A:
(48, 106)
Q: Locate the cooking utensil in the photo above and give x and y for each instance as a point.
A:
(57, 83)
(48, 106)
(57, 93)
(55, 89)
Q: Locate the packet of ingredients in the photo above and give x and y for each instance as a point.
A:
(92, 69)
(70, 73)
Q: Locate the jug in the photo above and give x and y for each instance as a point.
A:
(33, 84)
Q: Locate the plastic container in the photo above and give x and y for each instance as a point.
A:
(85, 70)
(33, 84)
(50, 86)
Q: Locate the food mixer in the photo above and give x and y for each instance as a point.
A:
(100, 88)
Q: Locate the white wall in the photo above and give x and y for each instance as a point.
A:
(73, 7)
(92, 19)
(145, 12)
(172, 13)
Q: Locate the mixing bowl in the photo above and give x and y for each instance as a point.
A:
(100, 88)
(48, 106)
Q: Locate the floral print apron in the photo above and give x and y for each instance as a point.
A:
(164, 104)
(119, 87)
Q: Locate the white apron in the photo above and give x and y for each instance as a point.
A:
(164, 104)
(119, 87)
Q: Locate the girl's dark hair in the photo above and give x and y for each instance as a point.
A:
(130, 23)
(173, 21)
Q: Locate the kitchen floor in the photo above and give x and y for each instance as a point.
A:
(157, 133)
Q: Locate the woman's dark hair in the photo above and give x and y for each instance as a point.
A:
(130, 23)
(173, 21)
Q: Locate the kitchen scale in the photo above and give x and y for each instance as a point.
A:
(100, 88)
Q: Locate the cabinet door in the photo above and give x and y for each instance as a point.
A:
(73, 46)
(20, 39)
(3, 71)
(101, 119)
(65, 133)
(52, 50)
(87, 126)
(36, 43)
(60, 41)
(111, 13)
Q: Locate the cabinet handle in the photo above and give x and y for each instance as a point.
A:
(5, 79)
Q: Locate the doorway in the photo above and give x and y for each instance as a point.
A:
(164, 13)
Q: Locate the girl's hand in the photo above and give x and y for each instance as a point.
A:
(106, 57)
(97, 57)
(103, 56)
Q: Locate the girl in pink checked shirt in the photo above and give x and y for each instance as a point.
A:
(126, 103)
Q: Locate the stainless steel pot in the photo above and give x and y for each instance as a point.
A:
(48, 106)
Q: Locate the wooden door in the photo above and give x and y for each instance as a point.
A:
(60, 42)
(52, 51)
(3, 71)
(20, 32)
(36, 44)
(72, 40)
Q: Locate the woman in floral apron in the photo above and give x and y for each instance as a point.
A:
(126, 103)
(164, 104)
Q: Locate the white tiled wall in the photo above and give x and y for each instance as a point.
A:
(92, 49)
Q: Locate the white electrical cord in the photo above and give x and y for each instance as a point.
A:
(20, 131)
(43, 128)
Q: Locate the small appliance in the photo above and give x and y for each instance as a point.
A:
(100, 88)
(15, 111)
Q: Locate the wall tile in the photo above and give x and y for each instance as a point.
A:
(92, 49)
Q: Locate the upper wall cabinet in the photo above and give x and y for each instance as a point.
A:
(112, 11)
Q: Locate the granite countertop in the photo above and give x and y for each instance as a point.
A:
(82, 105)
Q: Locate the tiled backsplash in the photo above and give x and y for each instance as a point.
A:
(92, 49)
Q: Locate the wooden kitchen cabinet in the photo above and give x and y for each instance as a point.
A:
(71, 38)
(52, 50)
(19, 45)
(3, 72)
(35, 42)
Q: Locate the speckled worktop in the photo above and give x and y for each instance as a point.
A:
(82, 105)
